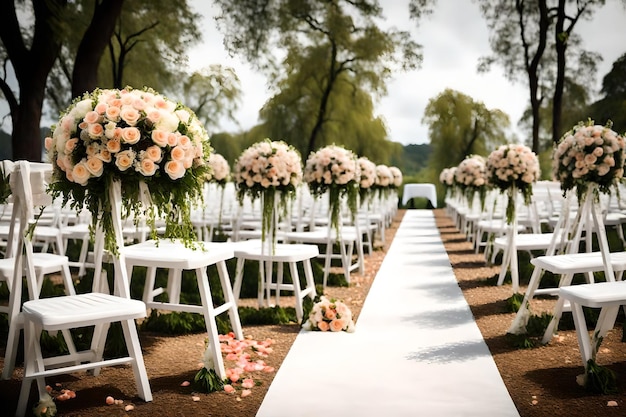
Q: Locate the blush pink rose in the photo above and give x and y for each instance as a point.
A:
(174, 169)
(80, 173)
(323, 326)
(124, 160)
(91, 117)
(114, 145)
(177, 153)
(113, 113)
(95, 130)
(337, 325)
(154, 153)
(130, 115)
(131, 135)
(147, 167)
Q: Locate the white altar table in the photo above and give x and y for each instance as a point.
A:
(420, 190)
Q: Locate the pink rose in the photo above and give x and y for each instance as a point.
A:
(323, 326)
(131, 135)
(95, 166)
(95, 130)
(48, 143)
(154, 153)
(337, 325)
(159, 137)
(80, 173)
(113, 113)
(124, 159)
(130, 115)
(174, 169)
(70, 145)
(177, 153)
(146, 167)
(91, 117)
(114, 145)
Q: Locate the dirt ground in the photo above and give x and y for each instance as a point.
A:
(541, 381)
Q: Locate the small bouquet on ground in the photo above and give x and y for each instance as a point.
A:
(512, 168)
(329, 315)
(589, 154)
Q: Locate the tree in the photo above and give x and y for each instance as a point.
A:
(152, 34)
(291, 114)
(45, 36)
(344, 30)
(613, 105)
(212, 92)
(521, 42)
(458, 126)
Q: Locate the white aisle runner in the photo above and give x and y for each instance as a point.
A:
(416, 351)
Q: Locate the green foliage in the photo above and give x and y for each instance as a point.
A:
(174, 323)
(269, 315)
(535, 329)
(600, 379)
(514, 302)
(459, 126)
(206, 380)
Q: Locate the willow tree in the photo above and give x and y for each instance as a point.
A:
(267, 31)
(458, 126)
(291, 114)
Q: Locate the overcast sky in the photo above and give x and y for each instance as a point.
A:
(453, 38)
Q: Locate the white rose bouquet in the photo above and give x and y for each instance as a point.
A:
(367, 178)
(586, 154)
(471, 178)
(334, 169)
(512, 168)
(269, 169)
(220, 169)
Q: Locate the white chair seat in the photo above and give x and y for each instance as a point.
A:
(579, 262)
(57, 313)
(173, 254)
(608, 296)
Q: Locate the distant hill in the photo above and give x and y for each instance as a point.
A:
(413, 159)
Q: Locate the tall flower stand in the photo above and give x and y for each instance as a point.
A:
(588, 218)
(509, 260)
(267, 251)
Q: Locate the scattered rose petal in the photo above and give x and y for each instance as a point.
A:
(611, 404)
(63, 397)
(118, 402)
(129, 407)
(110, 400)
(245, 393)
(185, 384)
(229, 388)
(238, 398)
(580, 379)
(534, 402)
(48, 389)
(247, 383)
(268, 369)
(195, 398)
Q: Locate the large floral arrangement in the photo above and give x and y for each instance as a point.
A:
(135, 137)
(367, 178)
(269, 169)
(396, 173)
(447, 178)
(471, 178)
(333, 169)
(586, 154)
(220, 169)
(330, 315)
(512, 168)
(384, 179)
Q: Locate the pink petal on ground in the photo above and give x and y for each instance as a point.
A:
(195, 398)
(268, 369)
(129, 407)
(62, 397)
(229, 388)
(611, 404)
(247, 383)
(231, 357)
(245, 393)
(185, 384)
(110, 400)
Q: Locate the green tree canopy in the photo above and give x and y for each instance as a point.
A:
(459, 126)
(341, 36)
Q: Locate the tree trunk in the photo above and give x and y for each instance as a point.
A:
(321, 112)
(91, 48)
(31, 78)
(561, 45)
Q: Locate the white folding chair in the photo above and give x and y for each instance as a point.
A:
(75, 311)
